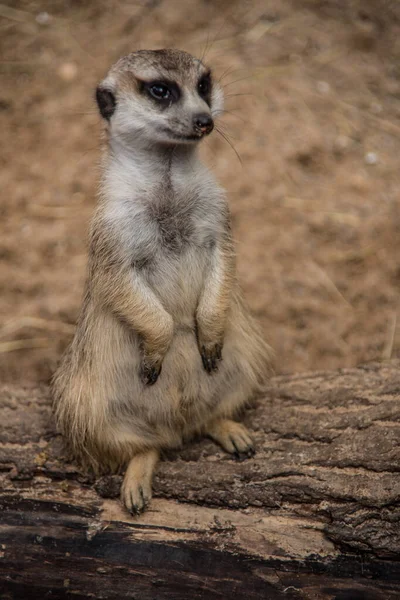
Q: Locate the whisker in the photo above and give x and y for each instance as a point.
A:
(90, 150)
(229, 112)
(215, 39)
(210, 148)
(229, 71)
(240, 94)
(238, 80)
(225, 130)
(230, 144)
(205, 47)
(81, 113)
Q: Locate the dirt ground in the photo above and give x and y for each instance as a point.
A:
(313, 110)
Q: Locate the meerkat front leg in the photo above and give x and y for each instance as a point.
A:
(233, 437)
(213, 305)
(130, 298)
(143, 310)
(136, 487)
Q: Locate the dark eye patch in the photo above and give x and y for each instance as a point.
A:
(163, 92)
(204, 87)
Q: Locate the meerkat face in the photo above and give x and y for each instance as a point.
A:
(164, 96)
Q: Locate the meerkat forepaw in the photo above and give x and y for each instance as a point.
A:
(211, 356)
(233, 437)
(150, 372)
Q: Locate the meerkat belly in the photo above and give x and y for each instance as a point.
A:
(178, 282)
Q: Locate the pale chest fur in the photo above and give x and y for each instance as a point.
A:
(168, 233)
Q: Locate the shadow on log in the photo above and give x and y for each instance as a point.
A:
(315, 515)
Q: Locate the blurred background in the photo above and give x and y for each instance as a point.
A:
(313, 111)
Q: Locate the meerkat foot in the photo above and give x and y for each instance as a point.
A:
(233, 437)
(136, 487)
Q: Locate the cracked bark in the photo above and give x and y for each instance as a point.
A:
(315, 515)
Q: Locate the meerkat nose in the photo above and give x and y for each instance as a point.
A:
(203, 124)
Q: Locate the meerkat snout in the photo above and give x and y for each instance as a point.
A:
(203, 124)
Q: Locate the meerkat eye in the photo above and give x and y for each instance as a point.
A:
(163, 92)
(160, 91)
(204, 86)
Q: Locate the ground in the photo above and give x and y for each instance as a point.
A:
(312, 110)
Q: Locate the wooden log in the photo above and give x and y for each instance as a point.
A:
(315, 515)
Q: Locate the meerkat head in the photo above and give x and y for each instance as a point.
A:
(162, 96)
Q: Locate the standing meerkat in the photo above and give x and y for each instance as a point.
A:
(164, 347)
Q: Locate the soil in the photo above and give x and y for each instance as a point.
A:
(313, 111)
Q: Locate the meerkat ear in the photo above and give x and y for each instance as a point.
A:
(106, 102)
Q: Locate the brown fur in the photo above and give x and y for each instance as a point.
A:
(161, 293)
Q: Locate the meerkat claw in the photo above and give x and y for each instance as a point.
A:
(134, 510)
(135, 498)
(241, 455)
(150, 373)
(137, 504)
(211, 357)
(233, 437)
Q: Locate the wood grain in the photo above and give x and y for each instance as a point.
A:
(315, 515)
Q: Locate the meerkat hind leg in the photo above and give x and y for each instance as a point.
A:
(136, 487)
(233, 437)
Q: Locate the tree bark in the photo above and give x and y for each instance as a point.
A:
(314, 515)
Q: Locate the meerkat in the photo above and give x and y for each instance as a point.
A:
(165, 347)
